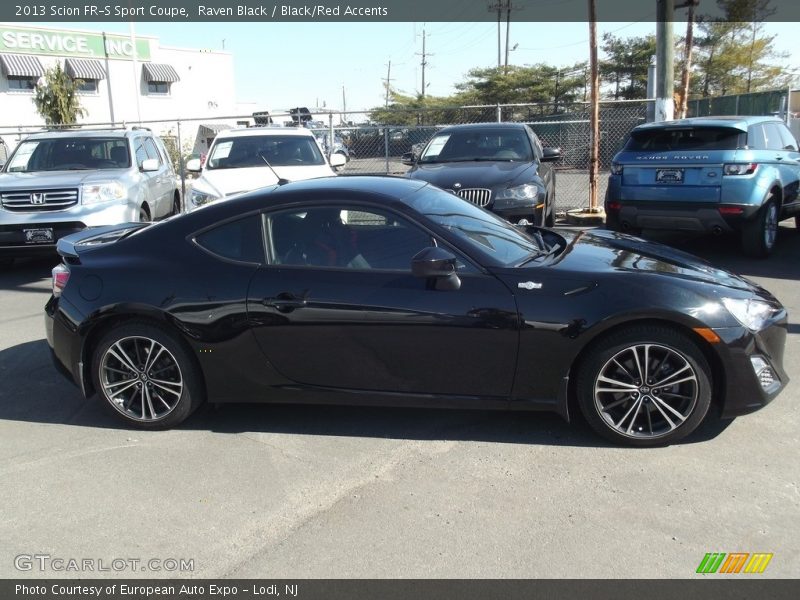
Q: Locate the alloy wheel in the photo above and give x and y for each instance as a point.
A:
(646, 391)
(141, 378)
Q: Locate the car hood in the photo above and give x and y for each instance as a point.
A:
(599, 251)
(224, 182)
(473, 174)
(54, 179)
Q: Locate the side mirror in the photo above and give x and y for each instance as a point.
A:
(438, 266)
(193, 165)
(551, 154)
(150, 164)
(408, 159)
(337, 160)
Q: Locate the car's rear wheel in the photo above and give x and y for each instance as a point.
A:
(760, 234)
(645, 386)
(144, 214)
(146, 375)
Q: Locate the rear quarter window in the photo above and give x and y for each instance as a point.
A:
(686, 138)
(241, 240)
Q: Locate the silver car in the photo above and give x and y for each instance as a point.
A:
(59, 182)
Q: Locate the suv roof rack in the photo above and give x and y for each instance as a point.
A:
(74, 128)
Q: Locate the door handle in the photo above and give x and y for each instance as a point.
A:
(284, 302)
(779, 157)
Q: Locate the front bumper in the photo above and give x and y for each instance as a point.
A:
(742, 392)
(13, 239)
(678, 216)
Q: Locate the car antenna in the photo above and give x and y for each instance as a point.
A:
(281, 180)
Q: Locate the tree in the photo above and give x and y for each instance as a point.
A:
(539, 83)
(734, 56)
(626, 63)
(56, 98)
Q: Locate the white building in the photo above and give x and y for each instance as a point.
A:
(119, 85)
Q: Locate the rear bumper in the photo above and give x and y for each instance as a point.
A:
(743, 393)
(679, 216)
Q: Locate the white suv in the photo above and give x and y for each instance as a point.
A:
(241, 160)
(59, 182)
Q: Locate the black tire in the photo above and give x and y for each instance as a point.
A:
(671, 411)
(550, 213)
(176, 205)
(144, 214)
(760, 234)
(171, 400)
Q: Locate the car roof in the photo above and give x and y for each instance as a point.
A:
(479, 126)
(86, 133)
(736, 122)
(264, 131)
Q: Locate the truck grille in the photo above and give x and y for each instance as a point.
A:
(39, 200)
(479, 196)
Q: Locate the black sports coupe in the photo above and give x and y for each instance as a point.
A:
(380, 290)
(502, 167)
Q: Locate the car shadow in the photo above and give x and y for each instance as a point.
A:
(725, 251)
(44, 396)
(26, 271)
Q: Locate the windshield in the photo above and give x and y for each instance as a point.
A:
(478, 144)
(687, 138)
(479, 228)
(258, 150)
(70, 154)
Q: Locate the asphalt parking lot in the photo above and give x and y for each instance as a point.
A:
(302, 491)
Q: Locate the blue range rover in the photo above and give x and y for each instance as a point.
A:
(712, 174)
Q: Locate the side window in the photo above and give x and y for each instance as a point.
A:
(151, 150)
(141, 154)
(774, 139)
(239, 240)
(755, 138)
(789, 143)
(339, 237)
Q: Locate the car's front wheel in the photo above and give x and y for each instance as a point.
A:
(146, 376)
(645, 386)
(760, 234)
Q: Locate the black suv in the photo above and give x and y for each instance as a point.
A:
(499, 166)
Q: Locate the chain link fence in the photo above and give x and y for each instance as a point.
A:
(374, 142)
(772, 102)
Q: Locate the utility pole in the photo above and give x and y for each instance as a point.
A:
(424, 61)
(498, 6)
(594, 114)
(683, 109)
(555, 93)
(388, 81)
(344, 102)
(508, 30)
(665, 60)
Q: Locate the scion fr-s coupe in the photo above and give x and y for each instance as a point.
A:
(379, 290)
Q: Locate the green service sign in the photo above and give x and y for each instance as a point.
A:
(71, 43)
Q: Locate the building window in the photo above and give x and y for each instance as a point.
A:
(158, 87)
(88, 86)
(22, 83)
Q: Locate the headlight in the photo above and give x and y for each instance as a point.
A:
(750, 312)
(616, 168)
(198, 198)
(93, 193)
(522, 194)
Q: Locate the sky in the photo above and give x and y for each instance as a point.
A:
(282, 65)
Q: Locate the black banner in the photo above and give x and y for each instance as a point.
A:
(405, 589)
(360, 10)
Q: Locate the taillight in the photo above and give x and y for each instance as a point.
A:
(613, 205)
(740, 168)
(616, 169)
(731, 210)
(60, 279)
